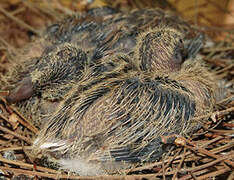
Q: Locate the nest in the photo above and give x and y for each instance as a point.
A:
(207, 154)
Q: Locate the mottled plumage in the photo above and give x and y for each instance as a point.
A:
(99, 33)
(52, 73)
(120, 115)
(105, 31)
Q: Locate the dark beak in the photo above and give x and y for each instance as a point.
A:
(22, 92)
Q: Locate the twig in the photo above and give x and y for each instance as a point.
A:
(3, 117)
(180, 164)
(225, 69)
(171, 159)
(5, 172)
(215, 151)
(36, 7)
(206, 152)
(218, 49)
(226, 99)
(15, 12)
(193, 176)
(231, 176)
(229, 125)
(31, 166)
(63, 9)
(163, 169)
(216, 113)
(216, 62)
(15, 148)
(20, 22)
(15, 134)
(24, 121)
(10, 48)
(60, 176)
(213, 174)
(197, 168)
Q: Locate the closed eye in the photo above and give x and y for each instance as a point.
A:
(178, 56)
(179, 53)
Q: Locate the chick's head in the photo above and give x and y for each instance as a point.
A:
(161, 49)
(52, 74)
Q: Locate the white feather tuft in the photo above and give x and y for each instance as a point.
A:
(81, 167)
(55, 145)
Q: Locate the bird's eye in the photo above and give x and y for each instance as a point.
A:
(178, 55)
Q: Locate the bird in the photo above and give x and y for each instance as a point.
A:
(117, 121)
(47, 82)
(106, 86)
(97, 34)
(118, 113)
(104, 31)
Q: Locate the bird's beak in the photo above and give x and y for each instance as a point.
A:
(23, 91)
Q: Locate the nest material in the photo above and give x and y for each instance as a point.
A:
(205, 155)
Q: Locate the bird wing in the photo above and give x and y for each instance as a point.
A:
(138, 112)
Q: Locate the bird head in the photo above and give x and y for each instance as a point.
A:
(51, 73)
(161, 49)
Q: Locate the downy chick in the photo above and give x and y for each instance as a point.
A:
(115, 119)
(47, 82)
(105, 31)
(104, 42)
